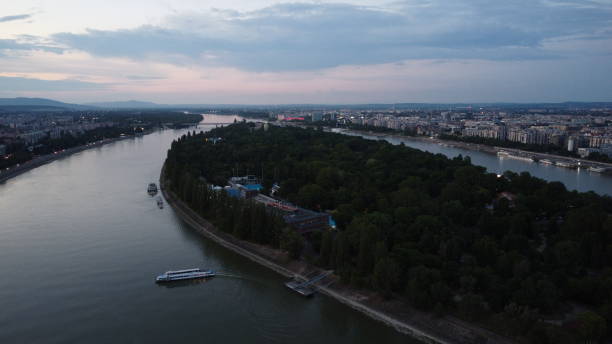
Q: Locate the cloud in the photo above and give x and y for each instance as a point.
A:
(307, 36)
(15, 17)
(26, 43)
(145, 77)
(18, 84)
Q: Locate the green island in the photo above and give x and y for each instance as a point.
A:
(511, 253)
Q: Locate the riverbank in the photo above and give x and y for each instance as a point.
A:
(423, 326)
(45, 159)
(484, 148)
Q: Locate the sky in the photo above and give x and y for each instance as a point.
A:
(304, 52)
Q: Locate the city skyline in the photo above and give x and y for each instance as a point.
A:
(276, 52)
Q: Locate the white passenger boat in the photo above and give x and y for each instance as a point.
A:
(187, 274)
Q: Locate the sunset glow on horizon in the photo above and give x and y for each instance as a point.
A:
(277, 52)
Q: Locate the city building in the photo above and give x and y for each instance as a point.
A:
(246, 187)
(304, 221)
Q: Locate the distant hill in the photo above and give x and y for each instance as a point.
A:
(130, 104)
(42, 104)
(33, 104)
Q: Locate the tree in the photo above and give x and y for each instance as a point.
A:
(311, 196)
(367, 242)
(326, 248)
(386, 276)
(292, 242)
(472, 306)
(590, 326)
(418, 287)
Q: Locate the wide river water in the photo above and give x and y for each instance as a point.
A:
(81, 243)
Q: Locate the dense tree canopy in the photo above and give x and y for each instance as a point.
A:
(442, 233)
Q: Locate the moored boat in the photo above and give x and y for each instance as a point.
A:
(598, 169)
(186, 274)
(504, 154)
(566, 164)
(160, 203)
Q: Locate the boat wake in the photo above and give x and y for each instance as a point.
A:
(230, 274)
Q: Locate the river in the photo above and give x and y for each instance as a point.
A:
(580, 179)
(81, 243)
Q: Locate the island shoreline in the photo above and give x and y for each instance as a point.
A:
(208, 230)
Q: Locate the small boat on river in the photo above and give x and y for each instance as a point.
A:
(152, 189)
(181, 275)
(160, 202)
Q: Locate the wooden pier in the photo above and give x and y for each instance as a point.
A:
(306, 288)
